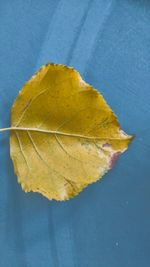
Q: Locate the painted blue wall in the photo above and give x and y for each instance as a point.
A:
(108, 224)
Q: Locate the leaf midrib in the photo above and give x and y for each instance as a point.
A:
(63, 133)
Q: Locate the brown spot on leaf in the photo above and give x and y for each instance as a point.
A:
(113, 159)
(106, 145)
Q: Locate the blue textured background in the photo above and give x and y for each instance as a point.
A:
(108, 224)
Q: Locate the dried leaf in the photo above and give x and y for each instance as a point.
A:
(63, 134)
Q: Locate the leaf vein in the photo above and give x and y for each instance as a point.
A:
(42, 159)
(21, 149)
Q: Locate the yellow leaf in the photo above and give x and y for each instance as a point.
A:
(63, 134)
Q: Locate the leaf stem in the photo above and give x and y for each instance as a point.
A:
(6, 129)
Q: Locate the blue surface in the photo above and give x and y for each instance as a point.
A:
(108, 224)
